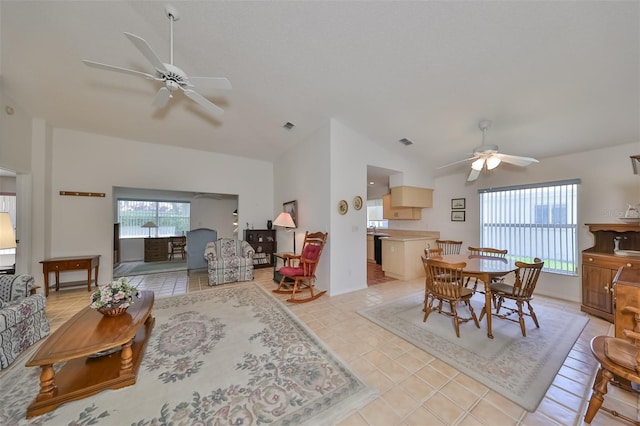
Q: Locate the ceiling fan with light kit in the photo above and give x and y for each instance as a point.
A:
(173, 77)
(487, 157)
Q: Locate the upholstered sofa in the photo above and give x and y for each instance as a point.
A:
(229, 261)
(22, 318)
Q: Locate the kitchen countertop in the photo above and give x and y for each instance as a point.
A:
(405, 238)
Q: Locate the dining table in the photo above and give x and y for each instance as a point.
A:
(485, 269)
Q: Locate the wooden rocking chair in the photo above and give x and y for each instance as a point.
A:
(301, 269)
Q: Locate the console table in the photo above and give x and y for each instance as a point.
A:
(73, 263)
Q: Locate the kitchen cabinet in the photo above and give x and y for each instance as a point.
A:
(411, 196)
(402, 257)
(399, 213)
(600, 265)
(370, 249)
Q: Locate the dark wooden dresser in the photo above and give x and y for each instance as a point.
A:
(156, 249)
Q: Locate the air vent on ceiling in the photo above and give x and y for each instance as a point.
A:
(405, 142)
(288, 125)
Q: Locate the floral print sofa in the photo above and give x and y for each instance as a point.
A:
(22, 318)
(229, 261)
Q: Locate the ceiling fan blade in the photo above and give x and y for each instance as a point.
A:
(456, 162)
(205, 103)
(118, 69)
(473, 175)
(516, 160)
(147, 51)
(161, 98)
(210, 82)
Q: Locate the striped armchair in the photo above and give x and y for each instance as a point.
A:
(229, 261)
(22, 318)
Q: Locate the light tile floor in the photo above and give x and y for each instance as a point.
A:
(414, 387)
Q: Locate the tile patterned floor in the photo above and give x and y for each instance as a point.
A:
(414, 388)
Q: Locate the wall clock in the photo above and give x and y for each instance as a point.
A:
(357, 202)
(343, 207)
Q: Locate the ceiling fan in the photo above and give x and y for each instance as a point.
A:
(172, 76)
(487, 156)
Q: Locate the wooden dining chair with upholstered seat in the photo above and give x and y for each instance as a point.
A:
(485, 252)
(176, 245)
(300, 270)
(444, 283)
(520, 292)
(619, 358)
(449, 246)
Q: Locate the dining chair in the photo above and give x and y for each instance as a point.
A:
(177, 244)
(449, 246)
(433, 252)
(444, 284)
(300, 270)
(485, 252)
(617, 357)
(520, 292)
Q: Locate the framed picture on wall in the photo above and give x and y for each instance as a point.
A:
(291, 207)
(458, 203)
(457, 216)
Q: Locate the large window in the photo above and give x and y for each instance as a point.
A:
(538, 220)
(171, 217)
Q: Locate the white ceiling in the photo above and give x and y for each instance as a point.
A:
(555, 77)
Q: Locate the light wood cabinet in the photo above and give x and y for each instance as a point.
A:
(399, 213)
(600, 266)
(411, 196)
(370, 249)
(402, 259)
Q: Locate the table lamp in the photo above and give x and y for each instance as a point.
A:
(285, 220)
(149, 225)
(7, 236)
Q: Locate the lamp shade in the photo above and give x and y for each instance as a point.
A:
(7, 236)
(149, 225)
(285, 220)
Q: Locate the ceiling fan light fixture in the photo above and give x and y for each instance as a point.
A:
(493, 162)
(477, 164)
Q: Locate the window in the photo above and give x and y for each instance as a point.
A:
(538, 220)
(374, 214)
(172, 218)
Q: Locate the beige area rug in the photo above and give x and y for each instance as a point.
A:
(519, 368)
(229, 355)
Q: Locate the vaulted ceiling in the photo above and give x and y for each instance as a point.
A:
(555, 77)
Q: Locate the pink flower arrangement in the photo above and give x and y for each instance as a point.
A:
(117, 293)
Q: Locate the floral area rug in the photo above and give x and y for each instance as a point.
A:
(229, 355)
(519, 368)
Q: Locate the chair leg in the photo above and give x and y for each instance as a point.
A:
(498, 303)
(599, 391)
(483, 312)
(456, 321)
(428, 308)
(521, 318)
(533, 315)
(473, 314)
(283, 283)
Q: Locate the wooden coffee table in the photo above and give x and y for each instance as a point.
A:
(78, 341)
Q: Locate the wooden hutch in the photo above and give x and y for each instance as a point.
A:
(600, 265)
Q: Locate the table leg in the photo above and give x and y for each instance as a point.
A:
(46, 283)
(57, 280)
(47, 383)
(126, 359)
(487, 304)
(89, 278)
(97, 267)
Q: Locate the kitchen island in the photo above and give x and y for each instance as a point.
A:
(402, 253)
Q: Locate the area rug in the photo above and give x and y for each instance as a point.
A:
(519, 368)
(228, 355)
(125, 269)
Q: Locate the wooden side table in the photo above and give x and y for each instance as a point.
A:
(73, 263)
(276, 268)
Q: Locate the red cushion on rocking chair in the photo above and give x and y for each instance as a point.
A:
(291, 271)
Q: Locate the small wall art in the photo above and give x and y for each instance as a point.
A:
(457, 216)
(458, 203)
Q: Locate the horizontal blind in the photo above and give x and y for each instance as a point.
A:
(536, 220)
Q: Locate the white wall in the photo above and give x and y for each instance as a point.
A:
(608, 185)
(95, 163)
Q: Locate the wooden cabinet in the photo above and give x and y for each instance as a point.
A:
(627, 290)
(370, 249)
(156, 249)
(399, 213)
(411, 196)
(264, 244)
(600, 265)
(402, 258)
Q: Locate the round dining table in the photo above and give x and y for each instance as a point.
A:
(484, 268)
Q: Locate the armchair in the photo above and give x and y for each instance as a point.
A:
(22, 318)
(197, 240)
(229, 261)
